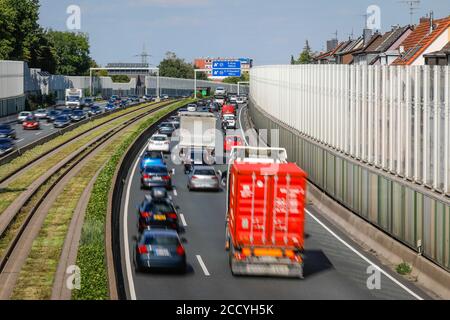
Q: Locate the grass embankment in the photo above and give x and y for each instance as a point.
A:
(37, 275)
(22, 182)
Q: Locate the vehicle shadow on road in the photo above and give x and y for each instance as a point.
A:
(315, 262)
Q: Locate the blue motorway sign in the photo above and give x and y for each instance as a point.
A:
(235, 64)
(226, 72)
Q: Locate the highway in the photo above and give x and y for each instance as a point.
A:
(335, 267)
(25, 137)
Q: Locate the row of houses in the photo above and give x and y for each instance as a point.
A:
(428, 43)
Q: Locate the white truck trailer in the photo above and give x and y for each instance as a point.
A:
(74, 98)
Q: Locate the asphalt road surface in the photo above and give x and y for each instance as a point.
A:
(335, 267)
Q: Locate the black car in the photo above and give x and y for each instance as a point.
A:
(6, 131)
(67, 112)
(61, 121)
(52, 115)
(6, 145)
(159, 249)
(157, 210)
(166, 128)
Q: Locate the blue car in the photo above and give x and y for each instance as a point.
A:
(6, 131)
(156, 176)
(159, 249)
(110, 107)
(151, 158)
(6, 145)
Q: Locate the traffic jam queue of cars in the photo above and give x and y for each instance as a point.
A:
(159, 245)
(60, 118)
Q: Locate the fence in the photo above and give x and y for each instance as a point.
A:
(179, 87)
(345, 124)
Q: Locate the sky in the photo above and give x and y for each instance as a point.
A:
(268, 31)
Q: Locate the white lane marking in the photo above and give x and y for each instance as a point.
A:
(20, 140)
(350, 247)
(175, 193)
(38, 133)
(364, 258)
(183, 220)
(125, 232)
(202, 264)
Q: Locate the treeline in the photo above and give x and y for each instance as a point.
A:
(175, 67)
(23, 39)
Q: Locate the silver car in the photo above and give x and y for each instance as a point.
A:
(203, 178)
(23, 115)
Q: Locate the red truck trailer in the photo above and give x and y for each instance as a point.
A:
(265, 213)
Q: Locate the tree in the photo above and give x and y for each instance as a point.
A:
(234, 80)
(72, 52)
(293, 60)
(175, 67)
(120, 78)
(305, 55)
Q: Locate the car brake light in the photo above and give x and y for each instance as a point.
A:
(143, 249)
(194, 178)
(146, 176)
(146, 214)
(172, 216)
(180, 250)
(166, 178)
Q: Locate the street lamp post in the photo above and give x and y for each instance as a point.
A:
(195, 80)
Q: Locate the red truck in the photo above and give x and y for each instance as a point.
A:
(228, 109)
(265, 213)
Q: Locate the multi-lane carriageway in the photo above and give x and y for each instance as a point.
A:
(335, 267)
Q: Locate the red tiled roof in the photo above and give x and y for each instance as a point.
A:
(420, 39)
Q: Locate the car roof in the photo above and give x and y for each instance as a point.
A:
(160, 135)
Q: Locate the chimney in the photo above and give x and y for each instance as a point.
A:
(431, 22)
(367, 34)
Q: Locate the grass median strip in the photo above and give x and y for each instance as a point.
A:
(16, 187)
(37, 275)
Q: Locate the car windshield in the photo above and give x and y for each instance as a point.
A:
(156, 170)
(30, 118)
(153, 155)
(160, 240)
(52, 113)
(41, 111)
(24, 114)
(5, 127)
(204, 172)
(61, 118)
(73, 98)
(159, 138)
(78, 113)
